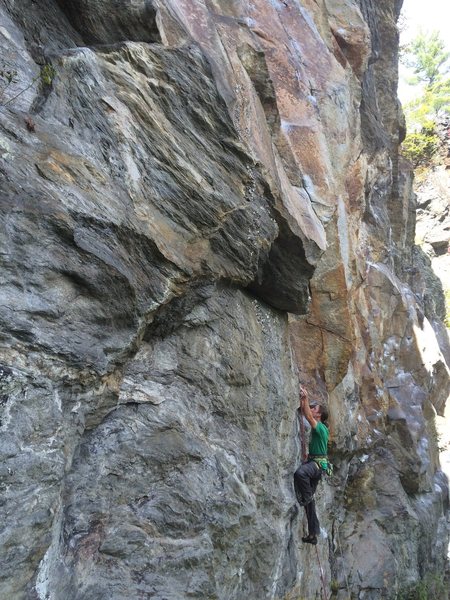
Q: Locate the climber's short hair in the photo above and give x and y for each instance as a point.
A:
(323, 410)
(323, 413)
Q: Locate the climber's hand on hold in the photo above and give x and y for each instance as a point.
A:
(303, 396)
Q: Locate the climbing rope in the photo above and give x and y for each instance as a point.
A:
(302, 428)
(322, 578)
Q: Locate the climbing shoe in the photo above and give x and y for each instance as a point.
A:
(310, 539)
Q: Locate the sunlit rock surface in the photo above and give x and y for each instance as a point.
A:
(203, 200)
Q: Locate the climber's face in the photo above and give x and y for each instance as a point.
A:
(315, 410)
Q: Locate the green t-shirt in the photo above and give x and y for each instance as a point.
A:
(318, 443)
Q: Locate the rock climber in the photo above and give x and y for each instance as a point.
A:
(309, 474)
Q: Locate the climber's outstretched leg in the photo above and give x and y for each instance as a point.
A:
(306, 479)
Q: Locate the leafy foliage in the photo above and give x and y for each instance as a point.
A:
(426, 56)
(9, 79)
(420, 146)
(433, 103)
(431, 587)
(447, 308)
(429, 60)
(47, 74)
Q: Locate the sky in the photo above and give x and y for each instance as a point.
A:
(428, 15)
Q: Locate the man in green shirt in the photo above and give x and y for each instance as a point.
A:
(309, 474)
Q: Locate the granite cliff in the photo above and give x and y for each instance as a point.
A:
(202, 202)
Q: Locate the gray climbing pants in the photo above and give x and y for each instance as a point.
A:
(306, 479)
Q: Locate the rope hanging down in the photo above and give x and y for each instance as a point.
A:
(302, 427)
(322, 578)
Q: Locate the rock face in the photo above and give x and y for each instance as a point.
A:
(433, 228)
(199, 201)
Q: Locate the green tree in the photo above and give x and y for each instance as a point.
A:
(429, 60)
(427, 57)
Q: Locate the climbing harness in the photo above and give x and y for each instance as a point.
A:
(323, 463)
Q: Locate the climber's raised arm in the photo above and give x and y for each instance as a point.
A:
(310, 412)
